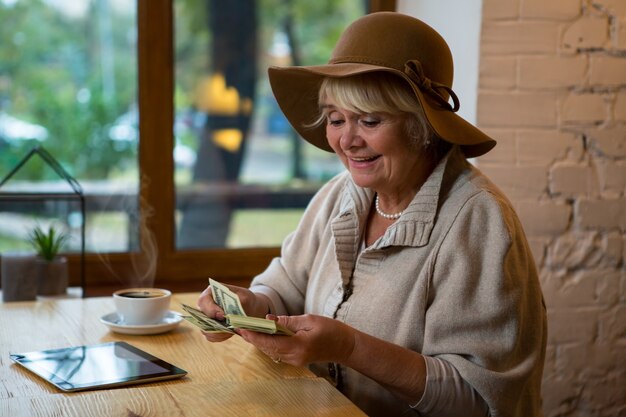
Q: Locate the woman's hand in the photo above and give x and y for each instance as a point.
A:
(253, 304)
(322, 339)
(316, 339)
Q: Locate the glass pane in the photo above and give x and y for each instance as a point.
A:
(242, 176)
(68, 84)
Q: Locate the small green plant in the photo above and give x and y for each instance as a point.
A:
(47, 245)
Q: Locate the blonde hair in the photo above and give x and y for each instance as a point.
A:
(381, 92)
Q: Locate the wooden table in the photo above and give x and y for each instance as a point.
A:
(231, 378)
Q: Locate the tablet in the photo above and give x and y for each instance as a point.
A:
(99, 366)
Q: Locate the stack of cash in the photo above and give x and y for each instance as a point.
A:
(204, 322)
(235, 316)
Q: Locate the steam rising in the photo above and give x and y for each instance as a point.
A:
(144, 261)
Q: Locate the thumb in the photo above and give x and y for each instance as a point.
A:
(293, 323)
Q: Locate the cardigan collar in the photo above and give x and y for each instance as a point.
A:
(415, 225)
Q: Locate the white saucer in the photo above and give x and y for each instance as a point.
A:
(170, 321)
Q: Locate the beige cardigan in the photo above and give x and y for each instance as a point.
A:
(453, 278)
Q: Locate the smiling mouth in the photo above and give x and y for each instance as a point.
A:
(371, 158)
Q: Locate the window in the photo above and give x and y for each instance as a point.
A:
(68, 81)
(164, 211)
(242, 176)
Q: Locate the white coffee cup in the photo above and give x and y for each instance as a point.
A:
(142, 306)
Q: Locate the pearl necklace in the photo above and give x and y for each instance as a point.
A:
(393, 216)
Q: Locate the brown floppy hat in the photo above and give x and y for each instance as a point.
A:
(390, 42)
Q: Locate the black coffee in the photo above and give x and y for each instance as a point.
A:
(141, 294)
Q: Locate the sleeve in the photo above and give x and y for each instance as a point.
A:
(447, 394)
(284, 287)
(486, 315)
(285, 280)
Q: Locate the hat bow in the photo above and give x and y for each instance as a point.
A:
(413, 69)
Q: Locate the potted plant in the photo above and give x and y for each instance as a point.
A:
(52, 271)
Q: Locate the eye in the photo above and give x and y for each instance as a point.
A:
(370, 122)
(334, 120)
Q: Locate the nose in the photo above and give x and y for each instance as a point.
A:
(350, 136)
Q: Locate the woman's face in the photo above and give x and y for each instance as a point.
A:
(376, 149)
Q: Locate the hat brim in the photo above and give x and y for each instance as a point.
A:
(296, 90)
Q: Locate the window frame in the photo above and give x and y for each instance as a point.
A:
(175, 269)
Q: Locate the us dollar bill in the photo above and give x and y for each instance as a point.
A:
(204, 322)
(257, 324)
(235, 316)
(225, 298)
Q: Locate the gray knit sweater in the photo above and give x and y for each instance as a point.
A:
(453, 279)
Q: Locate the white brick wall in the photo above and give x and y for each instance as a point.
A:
(552, 91)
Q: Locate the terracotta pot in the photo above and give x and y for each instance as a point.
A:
(52, 276)
(19, 276)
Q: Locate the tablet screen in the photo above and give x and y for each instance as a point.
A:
(97, 366)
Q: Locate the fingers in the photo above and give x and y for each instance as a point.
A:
(309, 344)
(293, 323)
(266, 344)
(276, 354)
(208, 305)
(273, 346)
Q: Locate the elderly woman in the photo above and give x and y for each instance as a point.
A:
(408, 282)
